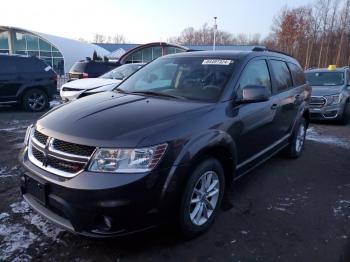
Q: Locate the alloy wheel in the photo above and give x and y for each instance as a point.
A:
(204, 198)
(36, 101)
(300, 139)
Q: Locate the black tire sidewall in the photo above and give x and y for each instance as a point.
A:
(292, 151)
(189, 229)
(346, 114)
(27, 94)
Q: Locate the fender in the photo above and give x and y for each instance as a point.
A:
(197, 147)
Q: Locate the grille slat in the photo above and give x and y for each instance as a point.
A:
(40, 137)
(73, 148)
(317, 101)
(64, 163)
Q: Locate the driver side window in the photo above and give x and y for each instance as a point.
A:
(255, 73)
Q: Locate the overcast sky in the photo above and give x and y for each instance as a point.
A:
(140, 21)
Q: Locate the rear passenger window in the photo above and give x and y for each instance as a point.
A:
(256, 73)
(297, 74)
(282, 75)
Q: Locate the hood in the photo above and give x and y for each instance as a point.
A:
(326, 90)
(90, 83)
(111, 119)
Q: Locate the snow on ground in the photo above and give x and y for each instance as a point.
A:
(20, 228)
(9, 172)
(287, 204)
(55, 102)
(341, 208)
(313, 135)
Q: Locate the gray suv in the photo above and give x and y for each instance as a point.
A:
(330, 93)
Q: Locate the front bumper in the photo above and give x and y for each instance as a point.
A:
(95, 204)
(327, 112)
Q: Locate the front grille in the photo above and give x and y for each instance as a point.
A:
(40, 137)
(71, 148)
(317, 102)
(57, 156)
(70, 89)
(66, 166)
(38, 154)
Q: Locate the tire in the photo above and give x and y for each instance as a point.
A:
(297, 142)
(35, 100)
(346, 114)
(193, 224)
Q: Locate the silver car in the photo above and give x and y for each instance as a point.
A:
(330, 93)
(108, 81)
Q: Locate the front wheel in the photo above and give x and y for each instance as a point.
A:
(297, 142)
(346, 114)
(35, 100)
(202, 198)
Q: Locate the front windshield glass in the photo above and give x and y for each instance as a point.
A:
(325, 78)
(121, 72)
(194, 78)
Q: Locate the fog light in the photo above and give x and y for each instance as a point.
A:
(104, 223)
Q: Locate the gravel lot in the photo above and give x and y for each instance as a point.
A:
(285, 210)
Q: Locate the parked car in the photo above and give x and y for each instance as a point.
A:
(125, 160)
(90, 69)
(26, 81)
(330, 98)
(107, 82)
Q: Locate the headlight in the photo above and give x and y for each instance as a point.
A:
(334, 99)
(102, 88)
(28, 133)
(127, 160)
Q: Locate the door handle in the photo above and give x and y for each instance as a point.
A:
(274, 107)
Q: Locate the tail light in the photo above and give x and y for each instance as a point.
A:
(85, 75)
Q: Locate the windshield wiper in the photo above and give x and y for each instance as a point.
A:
(121, 90)
(156, 94)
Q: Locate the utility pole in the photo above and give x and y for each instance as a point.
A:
(215, 29)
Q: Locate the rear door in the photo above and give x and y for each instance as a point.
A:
(287, 97)
(10, 80)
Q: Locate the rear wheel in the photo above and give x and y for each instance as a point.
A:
(296, 145)
(35, 100)
(346, 114)
(202, 198)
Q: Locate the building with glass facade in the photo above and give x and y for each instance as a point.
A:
(59, 52)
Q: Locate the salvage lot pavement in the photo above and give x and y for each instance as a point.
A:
(285, 210)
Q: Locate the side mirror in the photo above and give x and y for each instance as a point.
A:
(254, 94)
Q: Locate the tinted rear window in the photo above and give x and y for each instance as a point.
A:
(78, 67)
(297, 74)
(325, 78)
(283, 79)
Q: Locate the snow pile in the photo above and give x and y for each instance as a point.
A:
(327, 139)
(17, 235)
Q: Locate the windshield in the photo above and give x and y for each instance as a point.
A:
(122, 71)
(186, 77)
(325, 78)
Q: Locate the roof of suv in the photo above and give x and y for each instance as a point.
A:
(234, 54)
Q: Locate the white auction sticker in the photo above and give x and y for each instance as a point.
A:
(217, 62)
(47, 68)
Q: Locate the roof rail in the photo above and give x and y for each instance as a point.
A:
(265, 49)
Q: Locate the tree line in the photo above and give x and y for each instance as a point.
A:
(317, 34)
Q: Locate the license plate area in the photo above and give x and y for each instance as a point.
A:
(36, 189)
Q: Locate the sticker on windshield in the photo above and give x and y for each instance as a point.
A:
(217, 62)
(47, 68)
